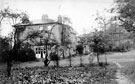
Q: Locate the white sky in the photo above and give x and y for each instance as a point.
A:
(80, 11)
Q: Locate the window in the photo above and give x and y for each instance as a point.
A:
(44, 50)
(38, 50)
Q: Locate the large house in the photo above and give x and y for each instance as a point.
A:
(40, 50)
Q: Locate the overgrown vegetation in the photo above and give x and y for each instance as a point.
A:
(88, 74)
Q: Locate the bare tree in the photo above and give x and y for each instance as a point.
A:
(14, 18)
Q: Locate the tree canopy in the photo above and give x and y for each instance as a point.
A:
(126, 13)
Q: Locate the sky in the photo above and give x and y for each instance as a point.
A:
(80, 11)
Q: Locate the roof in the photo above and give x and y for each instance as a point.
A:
(36, 24)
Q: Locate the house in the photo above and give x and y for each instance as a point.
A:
(38, 45)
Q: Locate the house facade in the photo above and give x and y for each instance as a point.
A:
(40, 50)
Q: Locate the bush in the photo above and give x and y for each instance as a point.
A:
(4, 48)
(26, 55)
(79, 49)
(22, 56)
(54, 57)
(4, 56)
(123, 46)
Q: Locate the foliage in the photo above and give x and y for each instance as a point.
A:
(5, 45)
(4, 48)
(14, 17)
(66, 34)
(25, 55)
(102, 21)
(63, 75)
(79, 49)
(126, 10)
(98, 42)
(54, 57)
(122, 46)
(66, 30)
(102, 38)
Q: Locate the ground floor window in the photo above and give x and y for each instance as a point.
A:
(39, 50)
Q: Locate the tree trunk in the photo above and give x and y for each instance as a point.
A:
(9, 63)
(9, 66)
(12, 55)
(105, 59)
(46, 61)
(57, 61)
(63, 54)
(15, 50)
(81, 64)
(98, 59)
(70, 64)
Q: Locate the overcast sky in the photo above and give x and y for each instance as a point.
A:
(80, 11)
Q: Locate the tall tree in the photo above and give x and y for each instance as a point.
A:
(103, 23)
(13, 17)
(126, 14)
(66, 34)
(47, 38)
(98, 44)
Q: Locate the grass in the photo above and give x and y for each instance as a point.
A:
(126, 60)
(88, 74)
(129, 70)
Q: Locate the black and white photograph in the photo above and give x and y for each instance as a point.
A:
(67, 41)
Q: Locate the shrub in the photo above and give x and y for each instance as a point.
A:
(79, 49)
(4, 48)
(54, 57)
(26, 55)
(4, 56)
(122, 46)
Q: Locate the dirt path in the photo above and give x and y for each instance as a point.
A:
(121, 79)
(121, 60)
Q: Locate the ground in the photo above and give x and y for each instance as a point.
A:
(88, 74)
(111, 73)
(122, 60)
